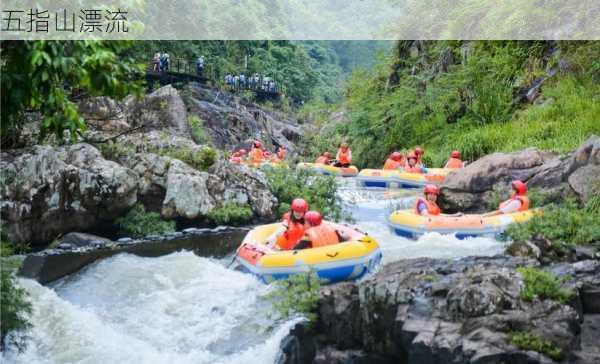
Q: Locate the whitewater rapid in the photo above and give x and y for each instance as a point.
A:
(182, 308)
(178, 308)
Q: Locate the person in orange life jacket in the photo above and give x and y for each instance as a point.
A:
(412, 166)
(236, 157)
(325, 158)
(394, 161)
(267, 156)
(292, 226)
(428, 206)
(318, 234)
(343, 156)
(256, 153)
(419, 153)
(281, 152)
(517, 202)
(454, 161)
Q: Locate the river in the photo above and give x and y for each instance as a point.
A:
(182, 308)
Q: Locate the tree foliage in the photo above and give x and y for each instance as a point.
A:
(45, 76)
(15, 307)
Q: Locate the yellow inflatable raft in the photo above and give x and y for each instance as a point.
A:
(409, 224)
(338, 262)
(329, 170)
(400, 179)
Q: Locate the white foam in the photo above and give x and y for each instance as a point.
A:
(178, 308)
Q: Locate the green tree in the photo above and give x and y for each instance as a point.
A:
(45, 76)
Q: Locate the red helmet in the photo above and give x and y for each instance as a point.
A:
(299, 205)
(519, 186)
(432, 189)
(411, 155)
(418, 151)
(455, 154)
(396, 156)
(257, 144)
(327, 154)
(243, 152)
(313, 218)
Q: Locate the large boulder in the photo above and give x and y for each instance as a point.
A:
(49, 191)
(177, 190)
(438, 311)
(576, 174)
(163, 108)
(232, 122)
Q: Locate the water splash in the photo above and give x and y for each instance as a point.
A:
(370, 208)
(178, 308)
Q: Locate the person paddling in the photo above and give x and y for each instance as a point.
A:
(419, 153)
(454, 161)
(412, 165)
(517, 202)
(395, 161)
(343, 156)
(292, 226)
(256, 153)
(325, 158)
(281, 152)
(428, 206)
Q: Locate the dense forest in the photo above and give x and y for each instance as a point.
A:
(41, 75)
(475, 96)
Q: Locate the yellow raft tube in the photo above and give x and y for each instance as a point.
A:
(328, 169)
(401, 179)
(338, 262)
(409, 224)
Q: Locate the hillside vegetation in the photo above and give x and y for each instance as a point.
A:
(478, 97)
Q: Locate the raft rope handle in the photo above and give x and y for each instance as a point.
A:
(333, 255)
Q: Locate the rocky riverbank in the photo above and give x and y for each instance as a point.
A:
(158, 162)
(460, 311)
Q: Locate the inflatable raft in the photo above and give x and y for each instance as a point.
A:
(329, 170)
(408, 224)
(338, 262)
(400, 179)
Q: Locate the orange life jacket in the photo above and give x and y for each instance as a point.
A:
(293, 234)
(415, 169)
(256, 155)
(454, 163)
(344, 157)
(392, 164)
(432, 207)
(524, 202)
(322, 235)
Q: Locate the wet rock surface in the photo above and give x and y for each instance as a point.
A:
(78, 250)
(572, 175)
(454, 311)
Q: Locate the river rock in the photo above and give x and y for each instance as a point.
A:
(49, 191)
(82, 239)
(161, 109)
(104, 114)
(439, 311)
(575, 174)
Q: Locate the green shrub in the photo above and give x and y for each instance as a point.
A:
(199, 135)
(113, 150)
(298, 294)
(201, 159)
(319, 191)
(139, 223)
(543, 285)
(231, 214)
(528, 341)
(562, 224)
(15, 307)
